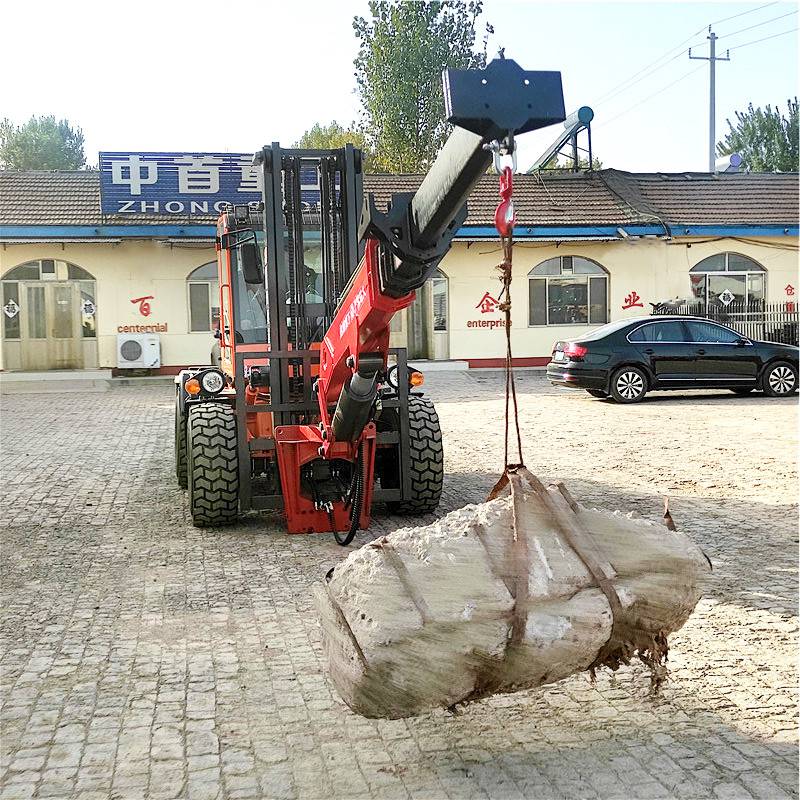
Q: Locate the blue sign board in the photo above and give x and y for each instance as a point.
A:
(176, 183)
(188, 183)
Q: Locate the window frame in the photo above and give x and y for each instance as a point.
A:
(440, 278)
(681, 322)
(733, 272)
(739, 337)
(59, 276)
(574, 277)
(189, 284)
(212, 297)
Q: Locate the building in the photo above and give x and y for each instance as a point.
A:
(590, 248)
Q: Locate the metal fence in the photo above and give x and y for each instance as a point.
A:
(772, 322)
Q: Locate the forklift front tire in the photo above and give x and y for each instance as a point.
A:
(426, 459)
(213, 465)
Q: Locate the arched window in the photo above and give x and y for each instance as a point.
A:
(568, 290)
(24, 287)
(203, 288)
(737, 278)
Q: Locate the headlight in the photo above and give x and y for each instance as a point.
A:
(212, 382)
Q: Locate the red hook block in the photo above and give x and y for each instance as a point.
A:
(505, 216)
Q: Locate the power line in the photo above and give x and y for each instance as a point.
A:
(650, 97)
(613, 91)
(623, 85)
(741, 14)
(758, 24)
(640, 78)
(637, 76)
(766, 38)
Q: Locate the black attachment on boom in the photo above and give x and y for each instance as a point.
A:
(485, 105)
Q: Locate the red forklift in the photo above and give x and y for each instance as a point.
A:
(309, 410)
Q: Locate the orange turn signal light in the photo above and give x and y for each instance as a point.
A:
(192, 386)
(416, 379)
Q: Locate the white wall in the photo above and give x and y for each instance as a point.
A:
(654, 269)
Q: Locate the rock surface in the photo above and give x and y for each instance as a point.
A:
(510, 594)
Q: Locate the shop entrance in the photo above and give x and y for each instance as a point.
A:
(49, 317)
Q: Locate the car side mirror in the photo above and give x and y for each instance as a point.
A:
(741, 341)
(251, 263)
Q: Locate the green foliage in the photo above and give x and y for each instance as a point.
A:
(766, 140)
(404, 48)
(41, 143)
(330, 137)
(563, 164)
(324, 137)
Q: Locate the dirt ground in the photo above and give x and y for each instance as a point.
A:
(142, 657)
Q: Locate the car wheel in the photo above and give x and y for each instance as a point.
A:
(598, 393)
(629, 385)
(742, 390)
(779, 380)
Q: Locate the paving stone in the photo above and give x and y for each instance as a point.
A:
(150, 659)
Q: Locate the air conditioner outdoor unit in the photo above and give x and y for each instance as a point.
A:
(138, 350)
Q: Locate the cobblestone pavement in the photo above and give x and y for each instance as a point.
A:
(145, 658)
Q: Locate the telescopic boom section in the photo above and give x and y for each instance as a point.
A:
(405, 244)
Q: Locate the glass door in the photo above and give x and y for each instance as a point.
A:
(50, 326)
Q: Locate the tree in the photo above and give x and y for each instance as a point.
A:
(766, 140)
(330, 137)
(404, 48)
(41, 143)
(560, 164)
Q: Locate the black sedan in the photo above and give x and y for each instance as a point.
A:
(626, 359)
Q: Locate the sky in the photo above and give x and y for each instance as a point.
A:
(204, 76)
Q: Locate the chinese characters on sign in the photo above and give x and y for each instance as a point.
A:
(487, 305)
(186, 183)
(11, 309)
(176, 183)
(726, 297)
(632, 301)
(789, 290)
(144, 306)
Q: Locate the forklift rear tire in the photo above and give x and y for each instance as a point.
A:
(426, 465)
(180, 446)
(213, 465)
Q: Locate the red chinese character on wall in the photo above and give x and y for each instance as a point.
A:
(632, 300)
(487, 304)
(144, 306)
(789, 290)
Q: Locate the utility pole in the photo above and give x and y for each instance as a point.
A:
(712, 59)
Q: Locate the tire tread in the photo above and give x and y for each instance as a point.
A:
(426, 458)
(213, 473)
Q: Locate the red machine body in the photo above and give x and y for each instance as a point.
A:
(360, 326)
(312, 422)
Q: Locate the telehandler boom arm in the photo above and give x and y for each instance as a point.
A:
(405, 244)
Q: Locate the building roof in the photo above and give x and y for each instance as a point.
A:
(605, 198)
